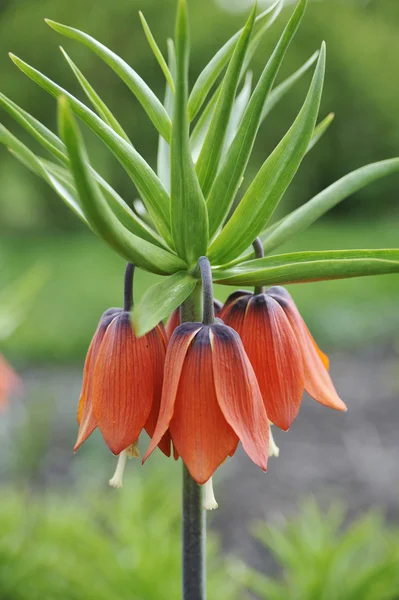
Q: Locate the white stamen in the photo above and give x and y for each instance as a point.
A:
(131, 451)
(117, 479)
(274, 450)
(209, 496)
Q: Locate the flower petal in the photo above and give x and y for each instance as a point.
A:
(86, 419)
(274, 352)
(164, 444)
(238, 393)
(173, 322)
(125, 382)
(234, 305)
(199, 430)
(175, 355)
(318, 383)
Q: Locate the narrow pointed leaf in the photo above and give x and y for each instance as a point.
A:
(122, 211)
(160, 300)
(234, 165)
(32, 162)
(285, 86)
(200, 130)
(211, 72)
(97, 212)
(134, 82)
(163, 163)
(100, 107)
(208, 161)
(57, 148)
(240, 104)
(304, 216)
(302, 267)
(320, 130)
(265, 192)
(157, 53)
(189, 216)
(151, 190)
(38, 131)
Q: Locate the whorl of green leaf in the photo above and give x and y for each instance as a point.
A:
(97, 212)
(134, 82)
(213, 69)
(152, 191)
(211, 151)
(265, 192)
(234, 165)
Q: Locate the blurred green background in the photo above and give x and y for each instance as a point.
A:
(61, 535)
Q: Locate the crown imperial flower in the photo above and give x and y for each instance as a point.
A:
(285, 357)
(211, 400)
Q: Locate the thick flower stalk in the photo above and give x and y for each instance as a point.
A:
(200, 203)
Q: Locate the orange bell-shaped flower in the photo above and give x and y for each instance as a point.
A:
(211, 399)
(122, 383)
(285, 357)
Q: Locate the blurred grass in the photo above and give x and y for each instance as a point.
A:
(86, 279)
(82, 544)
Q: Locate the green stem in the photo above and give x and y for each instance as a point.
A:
(194, 522)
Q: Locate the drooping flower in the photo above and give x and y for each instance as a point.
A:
(174, 319)
(9, 381)
(210, 400)
(122, 383)
(284, 355)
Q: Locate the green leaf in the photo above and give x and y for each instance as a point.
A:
(304, 216)
(320, 130)
(230, 176)
(101, 108)
(134, 82)
(189, 217)
(55, 146)
(150, 188)
(160, 300)
(265, 192)
(209, 158)
(284, 87)
(38, 131)
(211, 72)
(200, 130)
(302, 267)
(121, 210)
(97, 212)
(240, 104)
(29, 160)
(157, 53)
(163, 162)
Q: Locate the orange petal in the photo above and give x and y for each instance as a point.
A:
(201, 434)
(173, 322)
(174, 319)
(276, 357)
(235, 301)
(86, 419)
(125, 381)
(175, 355)
(164, 444)
(238, 393)
(318, 383)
